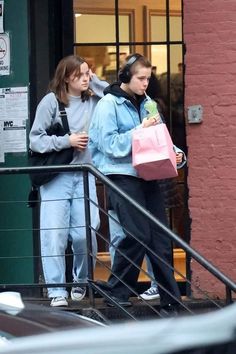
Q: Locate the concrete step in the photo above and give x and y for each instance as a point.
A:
(98, 310)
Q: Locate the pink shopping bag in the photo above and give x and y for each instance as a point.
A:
(153, 154)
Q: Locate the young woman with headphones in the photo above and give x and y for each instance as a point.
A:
(116, 115)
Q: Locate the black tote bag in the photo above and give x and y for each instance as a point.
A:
(62, 157)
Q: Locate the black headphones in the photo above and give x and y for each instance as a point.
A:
(125, 73)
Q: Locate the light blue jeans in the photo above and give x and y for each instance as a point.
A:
(116, 235)
(62, 218)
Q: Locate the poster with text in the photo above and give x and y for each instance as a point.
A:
(14, 115)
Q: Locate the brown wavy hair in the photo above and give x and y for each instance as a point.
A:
(66, 67)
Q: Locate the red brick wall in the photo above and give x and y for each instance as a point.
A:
(210, 37)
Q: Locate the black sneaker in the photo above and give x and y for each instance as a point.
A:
(103, 284)
(170, 310)
(106, 289)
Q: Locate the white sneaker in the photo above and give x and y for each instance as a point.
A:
(150, 294)
(78, 293)
(59, 301)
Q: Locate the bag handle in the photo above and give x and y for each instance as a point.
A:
(63, 116)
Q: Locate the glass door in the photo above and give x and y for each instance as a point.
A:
(105, 32)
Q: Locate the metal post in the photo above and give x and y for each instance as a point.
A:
(88, 234)
(229, 299)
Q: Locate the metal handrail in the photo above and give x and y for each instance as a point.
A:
(145, 272)
(229, 284)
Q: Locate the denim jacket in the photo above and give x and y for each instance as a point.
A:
(110, 133)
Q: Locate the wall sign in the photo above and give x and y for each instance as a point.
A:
(4, 54)
(13, 118)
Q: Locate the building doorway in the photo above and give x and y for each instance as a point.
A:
(104, 34)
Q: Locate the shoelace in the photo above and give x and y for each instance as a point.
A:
(78, 290)
(58, 298)
(152, 291)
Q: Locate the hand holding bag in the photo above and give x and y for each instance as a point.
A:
(153, 154)
(61, 157)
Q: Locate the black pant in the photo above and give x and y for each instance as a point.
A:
(147, 194)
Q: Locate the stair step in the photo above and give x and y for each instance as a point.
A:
(140, 310)
(102, 273)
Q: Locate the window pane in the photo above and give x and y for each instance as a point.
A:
(175, 28)
(110, 72)
(94, 21)
(159, 58)
(94, 5)
(176, 57)
(158, 28)
(101, 28)
(98, 18)
(175, 20)
(175, 5)
(176, 95)
(124, 28)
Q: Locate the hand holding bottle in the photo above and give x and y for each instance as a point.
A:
(153, 116)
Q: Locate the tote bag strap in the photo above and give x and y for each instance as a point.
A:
(63, 116)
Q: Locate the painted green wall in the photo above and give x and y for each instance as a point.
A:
(15, 217)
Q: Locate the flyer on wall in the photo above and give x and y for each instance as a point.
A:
(14, 116)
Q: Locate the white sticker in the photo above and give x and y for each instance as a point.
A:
(4, 54)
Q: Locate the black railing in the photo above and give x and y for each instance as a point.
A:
(230, 286)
